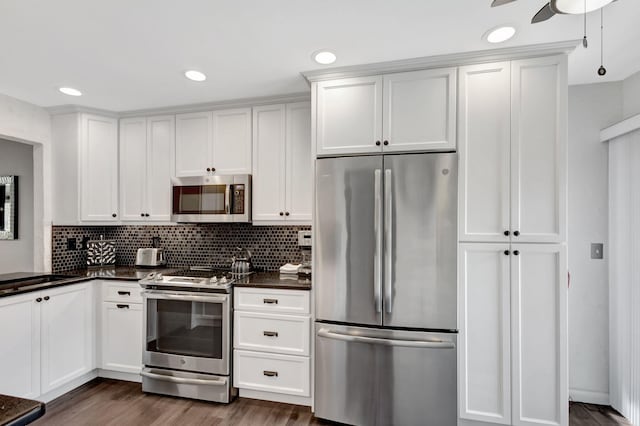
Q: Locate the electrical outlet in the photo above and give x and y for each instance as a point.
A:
(597, 250)
(304, 238)
(71, 244)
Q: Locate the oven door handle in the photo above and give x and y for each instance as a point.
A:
(188, 297)
(183, 380)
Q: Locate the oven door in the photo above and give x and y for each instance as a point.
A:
(187, 331)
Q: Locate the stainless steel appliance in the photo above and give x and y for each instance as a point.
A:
(187, 347)
(212, 199)
(150, 257)
(385, 270)
(241, 262)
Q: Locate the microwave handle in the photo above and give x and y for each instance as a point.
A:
(227, 199)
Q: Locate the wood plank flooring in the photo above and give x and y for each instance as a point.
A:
(112, 402)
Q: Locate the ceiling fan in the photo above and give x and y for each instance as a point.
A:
(554, 7)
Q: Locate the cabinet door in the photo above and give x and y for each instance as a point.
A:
(160, 163)
(484, 152)
(539, 334)
(99, 169)
(419, 110)
(538, 149)
(67, 326)
(193, 144)
(348, 116)
(122, 337)
(20, 348)
(269, 163)
(484, 357)
(232, 141)
(133, 168)
(299, 165)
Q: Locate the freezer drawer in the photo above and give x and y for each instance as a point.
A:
(381, 377)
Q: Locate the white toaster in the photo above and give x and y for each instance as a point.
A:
(150, 257)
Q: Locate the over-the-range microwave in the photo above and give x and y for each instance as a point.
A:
(208, 199)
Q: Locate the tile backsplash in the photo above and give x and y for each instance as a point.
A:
(185, 245)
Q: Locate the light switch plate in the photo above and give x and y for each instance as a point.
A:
(304, 238)
(597, 250)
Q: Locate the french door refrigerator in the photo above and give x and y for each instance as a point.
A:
(386, 320)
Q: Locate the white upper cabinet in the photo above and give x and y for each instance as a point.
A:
(539, 149)
(401, 112)
(349, 116)
(98, 168)
(513, 141)
(146, 165)
(232, 141)
(282, 163)
(484, 152)
(193, 143)
(419, 111)
(213, 142)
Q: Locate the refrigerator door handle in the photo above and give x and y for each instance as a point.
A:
(388, 241)
(377, 256)
(428, 344)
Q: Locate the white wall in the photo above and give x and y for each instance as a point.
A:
(631, 95)
(16, 159)
(591, 108)
(23, 122)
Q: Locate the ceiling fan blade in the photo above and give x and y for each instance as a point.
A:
(543, 14)
(500, 2)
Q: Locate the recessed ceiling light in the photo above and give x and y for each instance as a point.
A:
(70, 91)
(324, 57)
(195, 75)
(500, 34)
(577, 7)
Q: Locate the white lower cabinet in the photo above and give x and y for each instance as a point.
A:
(49, 341)
(513, 341)
(272, 338)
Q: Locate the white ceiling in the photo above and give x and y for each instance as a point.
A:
(130, 54)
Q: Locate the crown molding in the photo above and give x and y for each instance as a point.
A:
(74, 109)
(455, 59)
(622, 128)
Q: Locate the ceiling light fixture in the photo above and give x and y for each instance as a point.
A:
(70, 91)
(324, 57)
(194, 75)
(576, 7)
(500, 34)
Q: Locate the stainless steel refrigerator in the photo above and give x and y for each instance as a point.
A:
(385, 288)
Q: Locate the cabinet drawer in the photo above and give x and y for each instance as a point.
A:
(285, 334)
(272, 373)
(271, 300)
(122, 293)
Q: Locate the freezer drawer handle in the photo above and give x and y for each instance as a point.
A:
(270, 373)
(431, 344)
(182, 380)
(270, 333)
(270, 301)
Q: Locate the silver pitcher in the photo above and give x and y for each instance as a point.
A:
(241, 261)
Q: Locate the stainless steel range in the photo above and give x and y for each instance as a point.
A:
(187, 348)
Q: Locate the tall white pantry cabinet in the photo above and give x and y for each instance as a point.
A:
(512, 257)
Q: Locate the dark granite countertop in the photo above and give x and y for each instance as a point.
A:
(25, 282)
(274, 280)
(19, 411)
(126, 273)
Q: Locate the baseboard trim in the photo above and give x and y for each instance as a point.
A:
(276, 397)
(68, 387)
(590, 397)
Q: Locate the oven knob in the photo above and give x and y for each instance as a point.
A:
(213, 280)
(223, 280)
(159, 277)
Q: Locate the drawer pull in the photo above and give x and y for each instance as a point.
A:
(270, 333)
(123, 306)
(270, 373)
(270, 301)
(124, 293)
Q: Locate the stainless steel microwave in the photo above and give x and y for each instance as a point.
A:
(208, 199)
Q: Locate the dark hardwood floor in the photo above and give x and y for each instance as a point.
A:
(112, 402)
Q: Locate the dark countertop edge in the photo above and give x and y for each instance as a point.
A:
(26, 410)
(43, 286)
(275, 286)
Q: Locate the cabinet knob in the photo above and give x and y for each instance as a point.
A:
(286, 214)
(281, 213)
(385, 143)
(146, 214)
(506, 233)
(377, 143)
(141, 214)
(208, 169)
(114, 215)
(516, 252)
(39, 299)
(516, 233)
(506, 252)
(47, 298)
(213, 169)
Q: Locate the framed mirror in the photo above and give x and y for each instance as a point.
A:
(8, 207)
